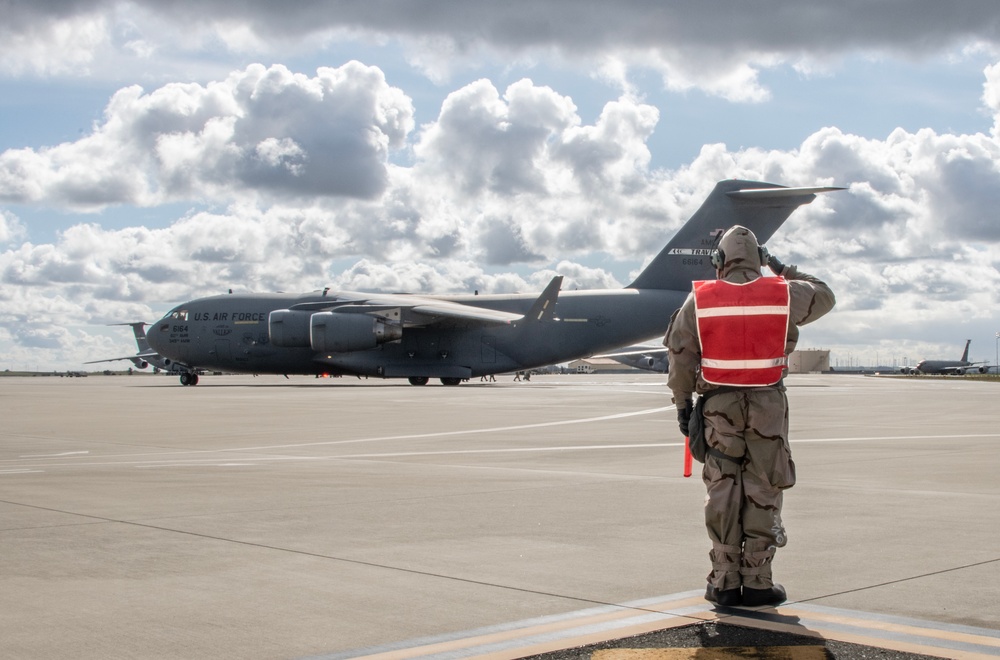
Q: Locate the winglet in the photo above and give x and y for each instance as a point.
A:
(544, 308)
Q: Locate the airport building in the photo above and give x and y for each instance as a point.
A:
(811, 361)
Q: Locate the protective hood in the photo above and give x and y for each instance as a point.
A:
(740, 251)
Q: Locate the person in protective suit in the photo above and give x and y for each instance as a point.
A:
(729, 342)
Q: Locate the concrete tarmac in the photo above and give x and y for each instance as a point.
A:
(272, 518)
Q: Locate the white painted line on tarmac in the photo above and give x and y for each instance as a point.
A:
(59, 455)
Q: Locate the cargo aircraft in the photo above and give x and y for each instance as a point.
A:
(950, 367)
(647, 358)
(458, 337)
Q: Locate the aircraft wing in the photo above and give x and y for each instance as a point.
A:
(415, 311)
(960, 370)
(137, 356)
(645, 351)
(457, 312)
(420, 311)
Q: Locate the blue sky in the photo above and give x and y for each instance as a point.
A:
(488, 148)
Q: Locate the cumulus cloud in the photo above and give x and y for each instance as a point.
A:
(11, 228)
(500, 191)
(261, 131)
(50, 44)
(719, 47)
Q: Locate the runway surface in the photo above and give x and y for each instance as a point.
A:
(272, 518)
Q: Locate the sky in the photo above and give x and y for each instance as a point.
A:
(154, 151)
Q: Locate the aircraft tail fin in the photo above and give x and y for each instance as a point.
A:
(139, 330)
(965, 353)
(758, 206)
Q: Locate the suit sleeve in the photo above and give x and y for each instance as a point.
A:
(811, 298)
(683, 352)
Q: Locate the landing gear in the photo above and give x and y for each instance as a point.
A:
(451, 381)
(418, 380)
(189, 378)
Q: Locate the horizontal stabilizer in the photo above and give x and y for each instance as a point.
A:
(774, 193)
(140, 356)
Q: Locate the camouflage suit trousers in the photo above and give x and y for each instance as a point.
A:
(743, 504)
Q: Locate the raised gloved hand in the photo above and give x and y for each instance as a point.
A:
(684, 416)
(775, 265)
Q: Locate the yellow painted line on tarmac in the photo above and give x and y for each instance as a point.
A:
(894, 633)
(606, 623)
(560, 632)
(724, 653)
(904, 629)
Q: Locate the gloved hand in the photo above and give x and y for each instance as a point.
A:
(684, 416)
(775, 265)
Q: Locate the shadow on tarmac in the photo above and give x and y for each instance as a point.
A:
(718, 640)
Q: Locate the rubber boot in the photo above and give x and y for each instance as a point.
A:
(756, 597)
(723, 597)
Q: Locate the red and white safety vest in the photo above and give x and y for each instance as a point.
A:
(742, 329)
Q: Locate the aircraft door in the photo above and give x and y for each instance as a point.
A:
(223, 352)
(434, 346)
(489, 349)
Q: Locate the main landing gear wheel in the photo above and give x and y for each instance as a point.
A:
(189, 379)
(451, 381)
(418, 380)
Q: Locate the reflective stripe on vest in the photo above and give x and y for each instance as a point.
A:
(742, 329)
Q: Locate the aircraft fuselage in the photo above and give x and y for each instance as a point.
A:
(458, 337)
(231, 333)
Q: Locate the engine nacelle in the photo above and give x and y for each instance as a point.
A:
(646, 362)
(288, 328)
(983, 369)
(330, 332)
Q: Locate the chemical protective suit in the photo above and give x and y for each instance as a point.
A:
(746, 413)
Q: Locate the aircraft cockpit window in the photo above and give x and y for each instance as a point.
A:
(180, 315)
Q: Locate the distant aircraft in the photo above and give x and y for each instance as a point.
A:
(953, 367)
(650, 358)
(146, 355)
(457, 337)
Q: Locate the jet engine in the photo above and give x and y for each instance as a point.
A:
(330, 332)
(288, 329)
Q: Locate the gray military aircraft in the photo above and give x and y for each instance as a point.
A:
(457, 337)
(648, 358)
(146, 355)
(952, 367)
